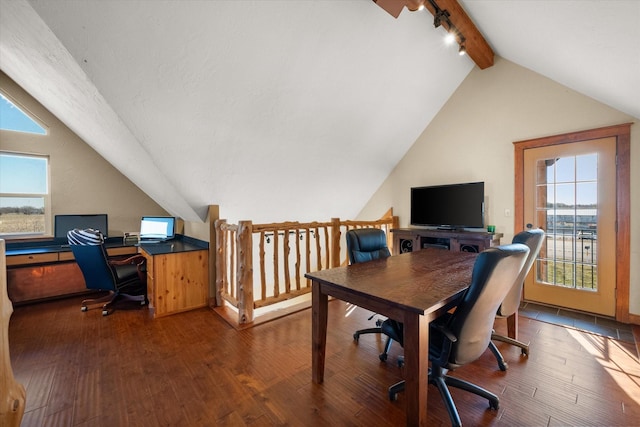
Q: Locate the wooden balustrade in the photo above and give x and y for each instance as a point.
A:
(12, 393)
(284, 252)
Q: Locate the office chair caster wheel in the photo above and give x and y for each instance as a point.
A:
(494, 404)
(356, 337)
(84, 308)
(393, 396)
(383, 357)
(503, 365)
(525, 351)
(105, 312)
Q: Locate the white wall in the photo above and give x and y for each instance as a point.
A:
(471, 139)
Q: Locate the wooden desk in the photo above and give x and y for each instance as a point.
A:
(46, 269)
(413, 288)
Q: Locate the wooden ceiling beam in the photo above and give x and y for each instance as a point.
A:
(477, 47)
(474, 42)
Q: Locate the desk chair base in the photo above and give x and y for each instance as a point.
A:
(376, 330)
(502, 364)
(106, 302)
(438, 377)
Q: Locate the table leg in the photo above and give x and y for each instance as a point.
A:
(416, 353)
(319, 331)
(512, 326)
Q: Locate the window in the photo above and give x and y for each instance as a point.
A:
(24, 194)
(13, 118)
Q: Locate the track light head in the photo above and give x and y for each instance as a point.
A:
(415, 5)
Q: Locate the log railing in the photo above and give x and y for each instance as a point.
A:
(12, 393)
(259, 265)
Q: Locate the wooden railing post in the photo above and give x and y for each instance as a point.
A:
(335, 242)
(245, 272)
(12, 393)
(395, 224)
(213, 215)
(221, 261)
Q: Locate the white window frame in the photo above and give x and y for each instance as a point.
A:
(48, 232)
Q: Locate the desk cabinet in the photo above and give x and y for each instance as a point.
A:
(40, 276)
(415, 239)
(177, 281)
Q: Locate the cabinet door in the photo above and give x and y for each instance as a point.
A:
(471, 245)
(405, 242)
(37, 282)
(180, 281)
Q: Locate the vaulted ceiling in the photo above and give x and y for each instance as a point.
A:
(285, 110)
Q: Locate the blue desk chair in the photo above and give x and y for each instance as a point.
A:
(125, 278)
(368, 244)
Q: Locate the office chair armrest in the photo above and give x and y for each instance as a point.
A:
(444, 331)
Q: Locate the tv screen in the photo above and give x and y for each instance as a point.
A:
(448, 206)
(64, 223)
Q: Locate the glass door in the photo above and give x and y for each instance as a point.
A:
(570, 193)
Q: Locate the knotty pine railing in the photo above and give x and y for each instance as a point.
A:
(12, 393)
(259, 265)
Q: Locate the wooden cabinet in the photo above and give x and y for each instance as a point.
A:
(35, 282)
(415, 239)
(177, 281)
(52, 274)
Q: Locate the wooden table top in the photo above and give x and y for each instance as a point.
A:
(421, 281)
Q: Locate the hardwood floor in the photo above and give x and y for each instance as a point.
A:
(193, 369)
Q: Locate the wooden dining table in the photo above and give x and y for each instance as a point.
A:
(413, 288)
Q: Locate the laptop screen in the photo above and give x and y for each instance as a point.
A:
(157, 227)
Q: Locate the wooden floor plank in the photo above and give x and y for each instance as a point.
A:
(194, 369)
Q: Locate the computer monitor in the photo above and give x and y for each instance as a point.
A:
(157, 228)
(64, 223)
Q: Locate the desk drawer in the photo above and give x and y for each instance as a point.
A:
(65, 256)
(31, 259)
(124, 250)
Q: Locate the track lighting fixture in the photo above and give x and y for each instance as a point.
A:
(412, 5)
(441, 18)
(454, 20)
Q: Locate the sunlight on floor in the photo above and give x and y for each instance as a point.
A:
(350, 309)
(613, 357)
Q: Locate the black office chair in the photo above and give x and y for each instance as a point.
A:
(122, 278)
(533, 239)
(367, 244)
(458, 338)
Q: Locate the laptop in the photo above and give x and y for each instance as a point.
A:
(157, 229)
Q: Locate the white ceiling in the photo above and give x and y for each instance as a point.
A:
(268, 107)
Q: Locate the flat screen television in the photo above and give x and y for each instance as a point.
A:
(450, 206)
(64, 223)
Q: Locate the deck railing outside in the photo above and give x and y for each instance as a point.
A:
(258, 265)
